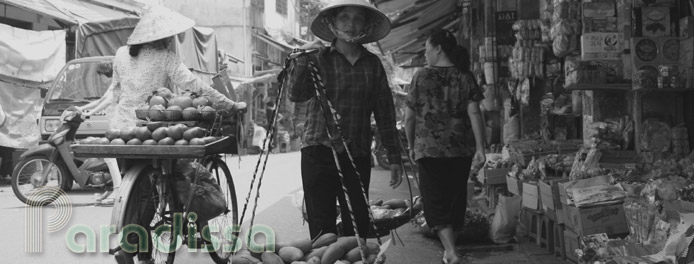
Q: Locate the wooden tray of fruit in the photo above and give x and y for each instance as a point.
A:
(219, 145)
(155, 141)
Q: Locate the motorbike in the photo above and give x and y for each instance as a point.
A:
(52, 165)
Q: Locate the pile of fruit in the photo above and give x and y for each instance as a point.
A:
(328, 248)
(164, 105)
(154, 133)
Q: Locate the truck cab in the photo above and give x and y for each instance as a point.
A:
(79, 82)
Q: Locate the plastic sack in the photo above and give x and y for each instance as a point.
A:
(512, 129)
(208, 201)
(503, 227)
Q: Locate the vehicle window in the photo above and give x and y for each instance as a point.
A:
(86, 81)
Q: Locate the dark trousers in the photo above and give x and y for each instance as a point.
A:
(443, 183)
(322, 186)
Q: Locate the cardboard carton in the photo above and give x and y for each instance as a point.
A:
(531, 196)
(609, 219)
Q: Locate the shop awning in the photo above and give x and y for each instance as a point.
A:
(70, 11)
(277, 43)
(410, 27)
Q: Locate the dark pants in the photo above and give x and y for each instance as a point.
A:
(443, 183)
(322, 186)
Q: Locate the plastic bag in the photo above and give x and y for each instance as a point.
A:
(503, 226)
(208, 201)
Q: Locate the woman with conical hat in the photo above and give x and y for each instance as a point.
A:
(145, 65)
(357, 86)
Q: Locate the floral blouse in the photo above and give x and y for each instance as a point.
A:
(439, 97)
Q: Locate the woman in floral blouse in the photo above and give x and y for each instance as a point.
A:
(444, 132)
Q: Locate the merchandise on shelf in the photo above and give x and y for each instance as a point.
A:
(527, 58)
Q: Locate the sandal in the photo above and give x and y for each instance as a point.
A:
(101, 197)
(457, 260)
(107, 201)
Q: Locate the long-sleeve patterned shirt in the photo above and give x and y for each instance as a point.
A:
(134, 79)
(356, 91)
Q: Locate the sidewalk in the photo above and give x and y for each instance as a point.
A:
(423, 250)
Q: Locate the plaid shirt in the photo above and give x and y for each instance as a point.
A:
(355, 91)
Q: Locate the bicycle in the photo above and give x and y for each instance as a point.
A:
(148, 199)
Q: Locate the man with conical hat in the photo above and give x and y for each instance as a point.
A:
(357, 86)
(140, 68)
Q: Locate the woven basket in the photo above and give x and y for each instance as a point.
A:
(385, 225)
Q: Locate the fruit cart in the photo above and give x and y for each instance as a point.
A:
(150, 172)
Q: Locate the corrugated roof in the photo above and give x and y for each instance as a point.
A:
(71, 11)
(411, 27)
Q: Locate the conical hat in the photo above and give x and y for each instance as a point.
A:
(380, 20)
(160, 22)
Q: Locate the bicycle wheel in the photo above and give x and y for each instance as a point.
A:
(29, 184)
(149, 205)
(222, 231)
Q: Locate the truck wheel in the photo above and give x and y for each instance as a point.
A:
(29, 184)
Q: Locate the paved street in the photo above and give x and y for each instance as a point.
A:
(277, 208)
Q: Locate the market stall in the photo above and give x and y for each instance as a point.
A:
(595, 124)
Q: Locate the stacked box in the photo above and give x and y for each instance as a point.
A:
(531, 196)
(549, 193)
(514, 185)
(571, 244)
(609, 219)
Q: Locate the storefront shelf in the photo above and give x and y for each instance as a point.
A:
(601, 87)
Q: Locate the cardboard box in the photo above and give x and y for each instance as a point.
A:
(600, 72)
(655, 21)
(565, 217)
(583, 183)
(599, 9)
(514, 185)
(571, 243)
(609, 219)
(560, 216)
(601, 46)
(549, 193)
(531, 196)
(601, 24)
(561, 188)
(494, 176)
